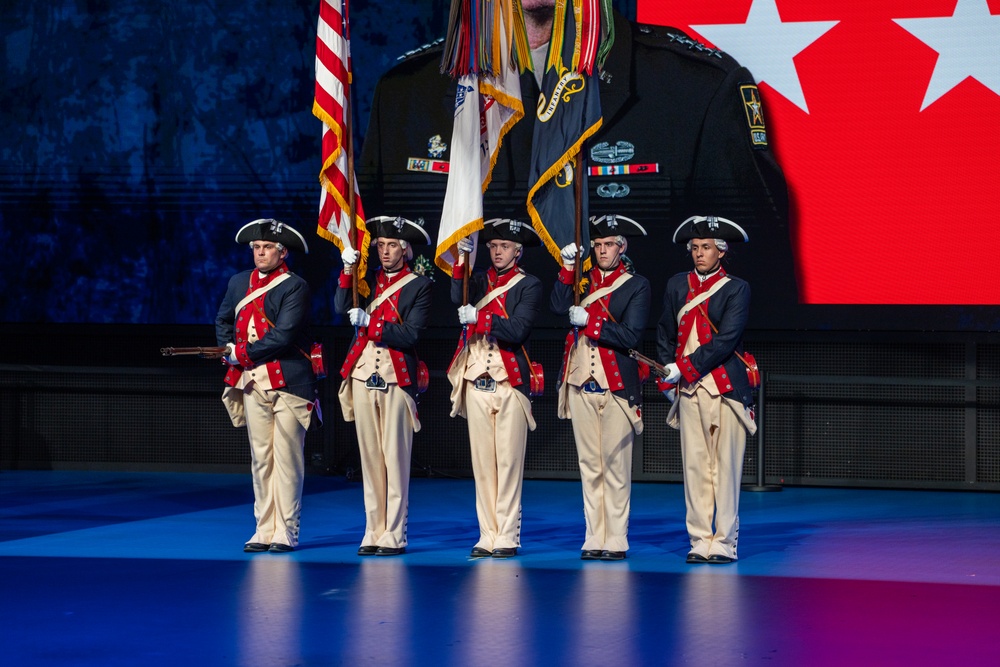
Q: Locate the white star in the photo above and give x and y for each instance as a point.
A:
(966, 43)
(766, 46)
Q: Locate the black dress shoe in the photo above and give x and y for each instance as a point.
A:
(505, 553)
(479, 552)
(254, 547)
(612, 555)
(590, 554)
(278, 548)
(390, 551)
(368, 550)
(719, 559)
(696, 558)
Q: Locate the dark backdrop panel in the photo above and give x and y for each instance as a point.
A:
(918, 412)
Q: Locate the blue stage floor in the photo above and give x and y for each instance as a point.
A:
(103, 568)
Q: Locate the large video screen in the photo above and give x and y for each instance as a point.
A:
(886, 120)
(139, 137)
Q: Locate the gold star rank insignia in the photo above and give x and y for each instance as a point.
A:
(755, 114)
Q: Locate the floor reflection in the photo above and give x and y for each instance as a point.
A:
(493, 615)
(379, 622)
(269, 617)
(601, 617)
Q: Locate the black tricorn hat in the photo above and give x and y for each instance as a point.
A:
(709, 227)
(508, 229)
(389, 227)
(269, 229)
(614, 225)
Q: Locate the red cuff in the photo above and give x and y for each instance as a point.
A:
(242, 356)
(346, 280)
(566, 276)
(663, 385)
(484, 324)
(593, 328)
(458, 271)
(687, 370)
(375, 329)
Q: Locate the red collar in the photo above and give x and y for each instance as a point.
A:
(496, 280)
(597, 280)
(696, 286)
(382, 282)
(257, 281)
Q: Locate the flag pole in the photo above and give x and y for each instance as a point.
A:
(465, 282)
(349, 147)
(578, 196)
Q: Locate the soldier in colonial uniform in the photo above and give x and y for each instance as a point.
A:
(600, 384)
(271, 387)
(382, 376)
(491, 378)
(699, 338)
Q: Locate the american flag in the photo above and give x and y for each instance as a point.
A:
(332, 106)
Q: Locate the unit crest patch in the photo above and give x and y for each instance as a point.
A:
(755, 114)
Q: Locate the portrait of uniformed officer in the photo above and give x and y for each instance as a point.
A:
(683, 133)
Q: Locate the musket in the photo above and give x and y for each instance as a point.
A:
(204, 352)
(654, 366)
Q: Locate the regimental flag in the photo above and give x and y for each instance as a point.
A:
(332, 105)
(486, 51)
(568, 113)
(897, 151)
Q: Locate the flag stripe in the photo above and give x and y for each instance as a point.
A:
(331, 105)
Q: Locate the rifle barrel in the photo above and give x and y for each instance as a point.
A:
(653, 364)
(206, 352)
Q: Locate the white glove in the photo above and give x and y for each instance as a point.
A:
(569, 254)
(670, 394)
(674, 374)
(349, 256)
(359, 317)
(465, 246)
(467, 314)
(230, 355)
(578, 316)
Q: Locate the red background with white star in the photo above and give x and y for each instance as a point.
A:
(891, 204)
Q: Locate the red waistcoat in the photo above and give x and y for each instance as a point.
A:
(254, 311)
(484, 325)
(599, 313)
(386, 312)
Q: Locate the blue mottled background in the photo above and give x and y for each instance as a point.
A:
(138, 137)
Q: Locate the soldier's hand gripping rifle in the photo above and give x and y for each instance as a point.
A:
(203, 352)
(654, 366)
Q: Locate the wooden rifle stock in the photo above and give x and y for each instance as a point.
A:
(654, 366)
(204, 352)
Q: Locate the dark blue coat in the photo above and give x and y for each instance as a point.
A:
(728, 309)
(522, 303)
(399, 330)
(622, 331)
(287, 342)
